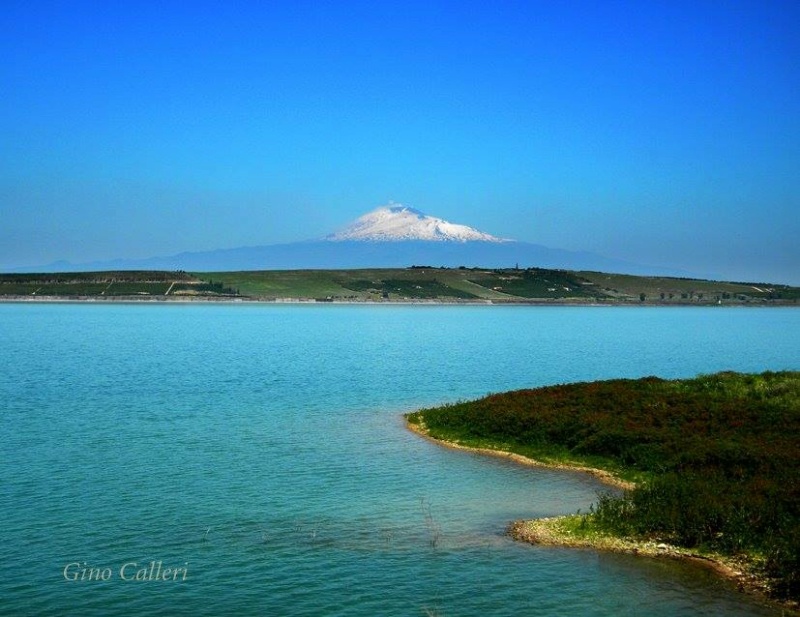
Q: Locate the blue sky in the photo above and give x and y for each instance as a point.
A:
(665, 133)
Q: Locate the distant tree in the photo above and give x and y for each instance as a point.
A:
(642, 297)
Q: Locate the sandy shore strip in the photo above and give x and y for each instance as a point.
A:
(560, 531)
(186, 299)
(530, 302)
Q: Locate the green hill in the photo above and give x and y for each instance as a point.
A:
(531, 285)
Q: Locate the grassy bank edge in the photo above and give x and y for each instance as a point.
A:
(577, 531)
(417, 425)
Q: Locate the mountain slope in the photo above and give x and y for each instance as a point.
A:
(348, 254)
(393, 236)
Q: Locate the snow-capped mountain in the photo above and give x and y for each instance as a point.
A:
(393, 236)
(396, 222)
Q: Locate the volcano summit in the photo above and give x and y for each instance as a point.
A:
(396, 222)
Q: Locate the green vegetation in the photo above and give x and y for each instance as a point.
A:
(535, 283)
(210, 287)
(716, 458)
(510, 285)
(130, 288)
(109, 284)
(274, 284)
(669, 290)
(408, 288)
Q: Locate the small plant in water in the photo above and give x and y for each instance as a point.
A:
(434, 529)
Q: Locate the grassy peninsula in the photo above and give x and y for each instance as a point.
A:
(415, 284)
(712, 464)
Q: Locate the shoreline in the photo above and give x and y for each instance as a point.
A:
(14, 299)
(553, 531)
(602, 475)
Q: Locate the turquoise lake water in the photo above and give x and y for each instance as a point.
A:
(259, 453)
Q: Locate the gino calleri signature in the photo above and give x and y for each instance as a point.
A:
(132, 571)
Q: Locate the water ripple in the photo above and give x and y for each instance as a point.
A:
(262, 449)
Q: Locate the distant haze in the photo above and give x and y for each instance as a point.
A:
(392, 236)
